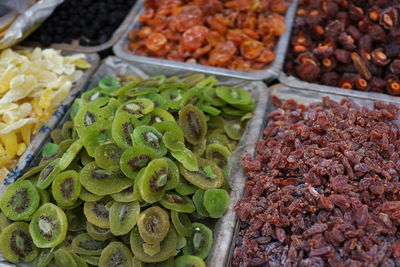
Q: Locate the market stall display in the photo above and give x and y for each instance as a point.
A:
(118, 143)
(346, 44)
(33, 84)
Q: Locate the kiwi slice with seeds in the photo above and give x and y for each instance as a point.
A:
(96, 212)
(193, 79)
(151, 137)
(173, 174)
(126, 195)
(209, 94)
(123, 217)
(137, 107)
(16, 243)
(32, 172)
(167, 247)
(98, 233)
(192, 97)
(193, 123)
(86, 195)
(94, 97)
(176, 202)
(84, 244)
(88, 115)
(154, 180)
(160, 115)
(181, 223)
(208, 176)
(116, 254)
(234, 130)
(20, 200)
(219, 155)
(107, 156)
(153, 224)
(136, 158)
(233, 96)
(63, 257)
(200, 241)
(189, 261)
(95, 134)
(44, 258)
(151, 249)
(76, 219)
(122, 129)
(198, 200)
(66, 188)
(169, 126)
(160, 101)
(103, 182)
(172, 142)
(48, 226)
(174, 97)
(70, 154)
(67, 130)
(48, 174)
(217, 138)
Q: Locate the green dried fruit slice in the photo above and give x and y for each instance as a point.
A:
(219, 154)
(174, 97)
(210, 95)
(217, 138)
(151, 137)
(94, 97)
(234, 130)
(66, 188)
(137, 107)
(198, 200)
(228, 112)
(173, 142)
(116, 254)
(233, 96)
(44, 258)
(97, 213)
(192, 96)
(159, 115)
(249, 107)
(32, 172)
(84, 244)
(16, 243)
(193, 123)
(107, 156)
(48, 174)
(186, 158)
(20, 200)
(56, 136)
(167, 247)
(173, 175)
(93, 260)
(199, 149)
(200, 241)
(4, 221)
(86, 195)
(122, 90)
(136, 158)
(85, 158)
(215, 122)
(76, 219)
(160, 101)
(96, 134)
(123, 217)
(111, 107)
(63, 257)
(88, 115)
(216, 202)
(153, 224)
(153, 181)
(64, 145)
(208, 176)
(167, 263)
(169, 126)
(189, 260)
(176, 202)
(122, 129)
(193, 79)
(102, 182)
(181, 223)
(151, 249)
(125, 195)
(70, 154)
(80, 262)
(67, 130)
(209, 109)
(108, 85)
(48, 226)
(142, 90)
(50, 151)
(185, 187)
(98, 233)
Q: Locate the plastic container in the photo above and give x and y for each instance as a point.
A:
(271, 72)
(41, 137)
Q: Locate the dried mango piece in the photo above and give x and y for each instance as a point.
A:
(3, 173)
(10, 142)
(26, 133)
(6, 77)
(21, 148)
(45, 98)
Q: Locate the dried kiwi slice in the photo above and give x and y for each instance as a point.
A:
(193, 123)
(108, 85)
(234, 130)
(151, 249)
(4, 221)
(48, 226)
(151, 137)
(94, 97)
(123, 217)
(66, 188)
(172, 142)
(215, 122)
(209, 109)
(169, 126)
(44, 258)
(153, 224)
(167, 246)
(48, 174)
(85, 158)
(233, 96)
(160, 101)
(137, 107)
(16, 243)
(136, 158)
(219, 155)
(208, 176)
(102, 182)
(20, 200)
(173, 175)
(84, 244)
(185, 187)
(95, 134)
(80, 262)
(153, 181)
(70, 154)
(64, 145)
(125, 195)
(88, 115)
(97, 213)
(230, 112)
(98, 233)
(63, 257)
(176, 202)
(122, 129)
(200, 241)
(107, 156)
(116, 254)
(198, 200)
(92, 260)
(199, 149)
(210, 95)
(189, 261)
(159, 115)
(174, 97)
(181, 223)
(216, 201)
(186, 158)
(86, 195)
(67, 130)
(56, 136)
(76, 219)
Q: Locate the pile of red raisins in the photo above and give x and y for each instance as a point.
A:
(352, 44)
(323, 189)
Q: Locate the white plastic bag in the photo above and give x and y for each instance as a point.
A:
(18, 18)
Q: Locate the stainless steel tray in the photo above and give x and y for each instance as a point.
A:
(303, 96)
(225, 227)
(40, 138)
(75, 47)
(271, 72)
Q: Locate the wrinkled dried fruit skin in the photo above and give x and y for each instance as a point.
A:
(347, 39)
(323, 188)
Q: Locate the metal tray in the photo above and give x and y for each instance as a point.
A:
(40, 138)
(75, 47)
(271, 72)
(225, 226)
(303, 96)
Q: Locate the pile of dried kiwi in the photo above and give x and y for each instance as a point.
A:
(136, 178)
